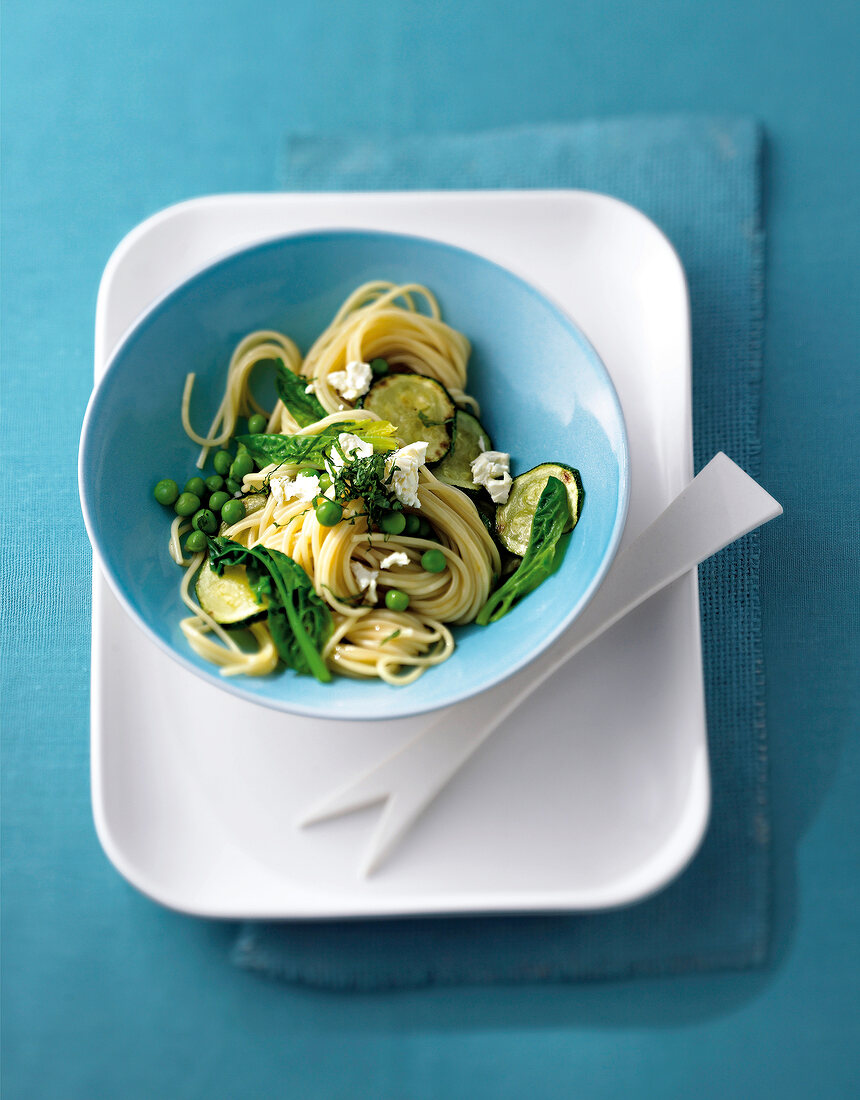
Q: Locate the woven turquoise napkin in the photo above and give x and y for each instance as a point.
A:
(699, 180)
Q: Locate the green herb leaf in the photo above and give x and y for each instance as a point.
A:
(381, 433)
(542, 557)
(428, 422)
(298, 620)
(305, 408)
(311, 450)
(308, 450)
(365, 479)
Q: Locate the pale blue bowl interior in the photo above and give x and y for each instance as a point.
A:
(544, 394)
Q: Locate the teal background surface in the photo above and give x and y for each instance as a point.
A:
(113, 111)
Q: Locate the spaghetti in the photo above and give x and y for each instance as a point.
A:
(351, 564)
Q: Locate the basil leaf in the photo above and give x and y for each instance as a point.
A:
(304, 408)
(297, 449)
(298, 620)
(365, 479)
(299, 640)
(542, 557)
(311, 449)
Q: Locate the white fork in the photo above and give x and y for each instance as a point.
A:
(720, 504)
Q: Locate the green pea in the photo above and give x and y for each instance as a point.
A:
(425, 529)
(393, 523)
(205, 521)
(395, 600)
(187, 504)
(329, 513)
(166, 491)
(433, 561)
(413, 525)
(325, 482)
(195, 542)
(242, 464)
(233, 511)
(218, 500)
(232, 486)
(214, 483)
(197, 486)
(222, 462)
(379, 367)
(257, 424)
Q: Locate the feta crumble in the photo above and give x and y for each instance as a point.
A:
(492, 469)
(353, 381)
(406, 463)
(352, 447)
(366, 579)
(397, 557)
(306, 487)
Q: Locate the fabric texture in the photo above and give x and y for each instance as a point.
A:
(699, 180)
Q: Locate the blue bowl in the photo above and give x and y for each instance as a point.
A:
(544, 396)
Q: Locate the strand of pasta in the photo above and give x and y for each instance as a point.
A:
(371, 325)
(238, 399)
(222, 649)
(178, 528)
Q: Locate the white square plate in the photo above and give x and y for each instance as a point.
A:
(595, 793)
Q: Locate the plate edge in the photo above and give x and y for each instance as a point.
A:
(117, 257)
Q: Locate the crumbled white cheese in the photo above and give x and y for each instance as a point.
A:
(406, 463)
(366, 579)
(492, 469)
(397, 557)
(310, 387)
(352, 447)
(490, 464)
(500, 489)
(353, 381)
(306, 487)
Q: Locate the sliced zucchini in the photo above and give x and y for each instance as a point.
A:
(470, 439)
(229, 598)
(488, 518)
(419, 407)
(254, 502)
(514, 519)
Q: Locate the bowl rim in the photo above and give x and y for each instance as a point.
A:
(288, 706)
